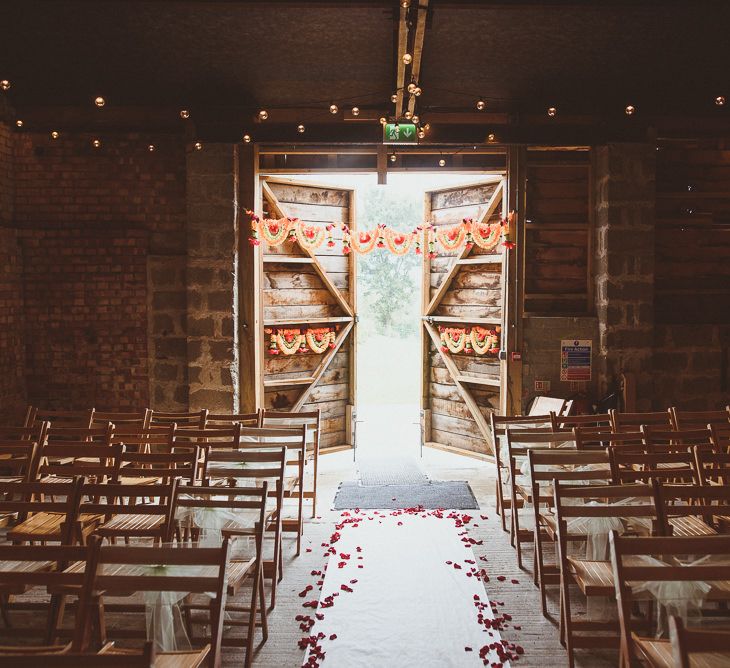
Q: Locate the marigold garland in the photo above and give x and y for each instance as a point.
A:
(290, 341)
(424, 239)
(470, 340)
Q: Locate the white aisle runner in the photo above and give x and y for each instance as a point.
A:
(408, 606)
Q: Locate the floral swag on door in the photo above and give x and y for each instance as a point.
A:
(289, 341)
(470, 340)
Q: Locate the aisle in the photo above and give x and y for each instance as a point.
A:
(403, 588)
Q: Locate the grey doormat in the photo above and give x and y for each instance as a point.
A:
(390, 471)
(456, 495)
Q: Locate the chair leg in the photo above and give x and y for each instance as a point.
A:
(4, 604)
(262, 607)
(252, 623)
(55, 616)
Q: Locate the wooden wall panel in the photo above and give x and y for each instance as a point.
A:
(558, 233)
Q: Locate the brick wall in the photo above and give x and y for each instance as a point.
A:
(102, 233)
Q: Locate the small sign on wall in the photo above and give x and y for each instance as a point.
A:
(575, 359)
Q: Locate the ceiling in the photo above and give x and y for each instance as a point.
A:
(520, 56)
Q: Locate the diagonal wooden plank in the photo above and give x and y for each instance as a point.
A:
(318, 268)
(418, 49)
(400, 65)
(466, 395)
(492, 204)
(324, 365)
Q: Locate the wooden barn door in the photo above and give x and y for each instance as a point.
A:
(304, 289)
(461, 289)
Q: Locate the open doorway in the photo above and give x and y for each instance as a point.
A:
(388, 361)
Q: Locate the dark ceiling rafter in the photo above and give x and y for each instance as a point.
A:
(411, 33)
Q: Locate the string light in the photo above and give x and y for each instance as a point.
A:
(5, 84)
(630, 109)
(421, 133)
(96, 143)
(552, 111)
(356, 111)
(246, 139)
(263, 114)
(151, 148)
(334, 109)
(491, 137)
(405, 4)
(99, 101)
(417, 91)
(383, 120)
(407, 115)
(393, 157)
(407, 58)
(55, 134)
(481, 105)
(198, 146)
(184, 114)
(394, 98)
(411, 88)
(416, 119)
(300, 128)
(720, 100)
(19, 123)
(426, 126)
(442, 163)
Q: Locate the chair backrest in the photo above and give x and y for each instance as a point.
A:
(109, 499)
(500, 423)
(634, 560)
(36, 432)
(593, 438)
(179, 463)
(194, 419)
(228, 436)
(658, 440)
(152, 439)
(545, 405)
(119, 570)
(521, 441)
(19, 459)
(629, 466)
(686, 642)
(698, 419)
(99, 434)
(83, 418)
(140, 419)
(568, 422)
(712, 467)
(62, 460)
(632, 421)
(701, 501)
(144, 658)
(228, 419)
(720, 436)
(287, 419)
(25, 498)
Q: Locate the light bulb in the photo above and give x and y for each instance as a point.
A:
(407, 115)
(405, 4)
(300, 128)
(263, 114)
(393, 157)
(421, 134)
(416, 119)
(356, 111)
(198, 146)
(630, 110)
(151, 148)
(184, 114)
(417, 91)
(481, 105)
(55, 134)
(552, 111)
(246, 139)
(96, 143)
(383, 120)
(99, 101)
(426, 126)
(407, 58)
(491, 137)
(411, 87)
(5, 84)
(442, 163)
(394, 98)
(19, 123)
(720, 100)
(333, 109)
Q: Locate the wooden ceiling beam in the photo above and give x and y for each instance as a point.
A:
(418, 49)
(401, 67)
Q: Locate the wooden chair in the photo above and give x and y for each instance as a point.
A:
(82, 419)
(18, 461)
(139, 467)
(575, 506)
(634, 561)
(154, 519)
(63, 459)
(569, 422)
(27, 567)
(690, 510)
(633, 421)
(628, 466)
(193, 419)
(37, 432)
(140, 419)
(660, 440)
(229, 419)
(247, 508)
(66, 657)
(120, 571)
(254, 463)
(600, 438)
(519, 444)
(566, 466)
(499, 425)
(225, 437)
(683, 420)
(720, 437)
(311, 419)
(694, 648)
(151, 439)
(99, 434)
(294, 439)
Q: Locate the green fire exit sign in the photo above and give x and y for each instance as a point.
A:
(400, 133)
